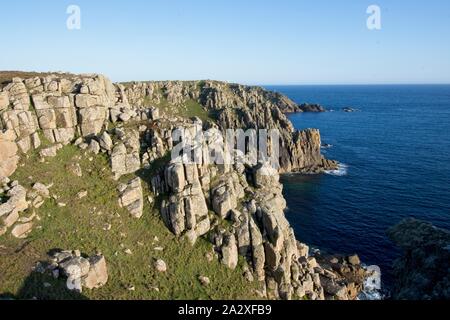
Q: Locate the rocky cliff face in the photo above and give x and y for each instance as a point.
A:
(423, 272)
(239, 208)
(242, 107)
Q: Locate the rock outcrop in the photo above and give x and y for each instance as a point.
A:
(239, 207)
(423, 272)
(17, 207)
(242, 107)
(131, 197)
(81, 272)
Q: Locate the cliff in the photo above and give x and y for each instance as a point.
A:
(239, 208)
(423, 272)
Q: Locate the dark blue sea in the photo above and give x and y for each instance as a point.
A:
(396, 151)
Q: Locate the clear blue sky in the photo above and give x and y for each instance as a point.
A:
(247, 41)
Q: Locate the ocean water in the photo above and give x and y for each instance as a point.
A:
(396, 156)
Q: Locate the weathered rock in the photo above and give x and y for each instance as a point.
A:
(90, 273)
(10, 218)
(131, 197)
(125, 154)
(354, 260)
(94, 147)
(8, 155)
(98, 273)
(160, 265)
(205, 281)
(50, 151)
(306, 107)
(4, 100)
(41, 189)
(230, 252)
(22, 230)
(105, 141)
(423, 273)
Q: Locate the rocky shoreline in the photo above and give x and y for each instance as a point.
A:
(238, 208)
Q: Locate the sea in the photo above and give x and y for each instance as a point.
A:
(394, 151)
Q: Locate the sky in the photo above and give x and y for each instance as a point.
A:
(244, 41)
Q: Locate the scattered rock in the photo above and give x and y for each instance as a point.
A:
(82, 194)
(22, 230)
(204, 281)
(160, 266)
(90, 273)
(42, 190)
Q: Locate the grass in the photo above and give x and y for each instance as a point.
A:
(191, 108)
(80, 225)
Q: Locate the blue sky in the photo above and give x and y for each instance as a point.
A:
(246, 41)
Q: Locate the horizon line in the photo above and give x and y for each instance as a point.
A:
(250, 83)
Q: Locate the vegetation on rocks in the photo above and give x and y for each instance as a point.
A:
(82, 224)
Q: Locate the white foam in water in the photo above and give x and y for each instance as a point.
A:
(372, 285)
(341, 171)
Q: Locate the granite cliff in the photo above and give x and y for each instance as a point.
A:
(239, 208)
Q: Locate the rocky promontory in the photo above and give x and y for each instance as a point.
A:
(423, 271)
(238, 208)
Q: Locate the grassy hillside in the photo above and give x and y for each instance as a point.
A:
(83, 224)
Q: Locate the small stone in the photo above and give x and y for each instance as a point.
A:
(82, 194)
(204, 280)
(128, 251)
(160, 266)
(41, 189)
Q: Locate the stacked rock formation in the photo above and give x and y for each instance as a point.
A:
(239, 207)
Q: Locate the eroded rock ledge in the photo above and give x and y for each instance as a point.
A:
(239, 208)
